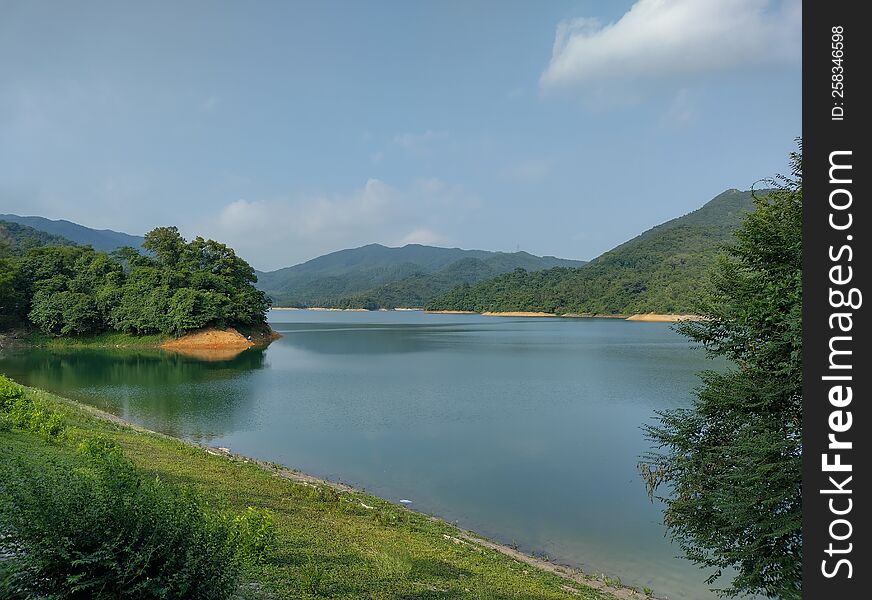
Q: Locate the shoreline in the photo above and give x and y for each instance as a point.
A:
(602, 583)
(201, 340)
(325, 308)
(517, 313)
(641, 317)
(664, 318)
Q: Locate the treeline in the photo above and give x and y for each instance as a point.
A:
(178, 286)
(412, 286)
(419, 288)
(660, 271)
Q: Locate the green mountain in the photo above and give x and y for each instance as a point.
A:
(661, 270)
(376, 276)
(104, 240)
(17, 239)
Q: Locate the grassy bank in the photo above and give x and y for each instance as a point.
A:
(331, 542)
(109, 339)
(260, 334)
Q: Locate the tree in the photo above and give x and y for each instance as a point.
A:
(166, 243)
(10, 297)
(732, 461)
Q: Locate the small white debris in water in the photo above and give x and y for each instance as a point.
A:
(404, 501)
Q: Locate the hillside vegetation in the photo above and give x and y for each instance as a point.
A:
(179, 286)
(17, 239)
(661, 270)
(377, 276)
(104, 240)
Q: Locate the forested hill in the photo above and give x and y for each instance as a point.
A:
(17, 239)
(178, 286)
(103, 240)
(662, 270)
(376, 276)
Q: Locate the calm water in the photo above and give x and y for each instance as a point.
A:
(526, 430)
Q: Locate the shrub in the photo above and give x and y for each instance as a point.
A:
(17, 410)
(256, 533)
(94, 527)
(9, 392)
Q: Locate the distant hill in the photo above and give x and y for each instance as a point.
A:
(18, 239)
(104, 240)
(661, 270)
(376, 276)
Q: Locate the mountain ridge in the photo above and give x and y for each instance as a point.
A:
(19, 239)
(104, 240)
(662, 270)
(378, 276)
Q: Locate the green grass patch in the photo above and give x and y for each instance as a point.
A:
(328, 543)
(109, 339)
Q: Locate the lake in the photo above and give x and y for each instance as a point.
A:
(526, 430)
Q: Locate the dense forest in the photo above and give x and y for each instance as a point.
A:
(176, 286)
(376, 276)
(659, 271)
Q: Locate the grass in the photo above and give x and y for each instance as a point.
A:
(109, 339)
(329, 543)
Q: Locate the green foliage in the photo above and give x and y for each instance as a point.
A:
(732, 462)
(12, 304)
(257, 536)
(20, 239)
(72, 291)
(658, 271)
(11, 586)
(9, 392)
(185, 286)
(102, 531)
(17, 410)
(92, 526)
(312, 577)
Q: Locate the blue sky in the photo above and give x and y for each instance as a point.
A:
(292, 129)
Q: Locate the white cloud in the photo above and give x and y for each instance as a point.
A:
(280, 232)
(661, 39)
(244, 215)
(312, 217)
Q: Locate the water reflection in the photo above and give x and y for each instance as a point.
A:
(173, 393)
(362, 339)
